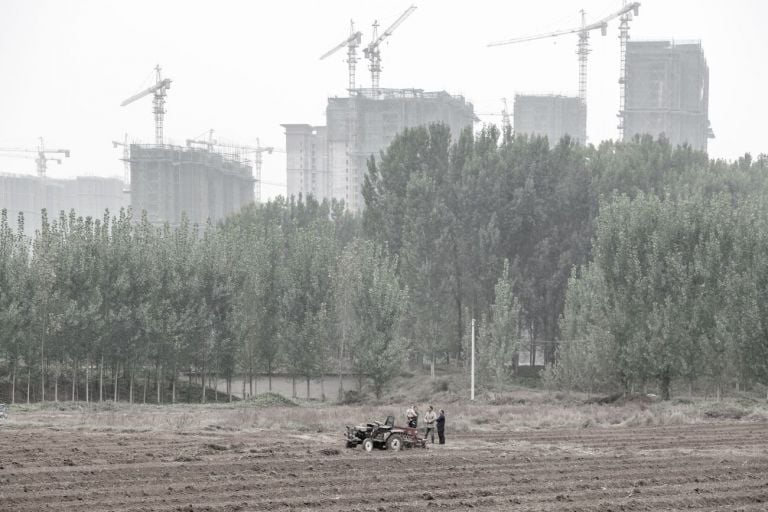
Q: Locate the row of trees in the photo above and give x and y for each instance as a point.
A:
(493, 226)
(490, 227)
(109, 303)
(677, 290)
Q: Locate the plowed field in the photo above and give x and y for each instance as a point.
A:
(711, 466)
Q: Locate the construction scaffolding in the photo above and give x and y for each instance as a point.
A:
(667, 92)
(169, 181)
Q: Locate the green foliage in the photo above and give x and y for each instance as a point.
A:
(641, 263)
(376, 349)
(499, 339)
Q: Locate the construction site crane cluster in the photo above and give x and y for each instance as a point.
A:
(372, 51)
(663, 88)
(582, 48)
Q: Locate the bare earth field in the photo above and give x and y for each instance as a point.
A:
(56, 460)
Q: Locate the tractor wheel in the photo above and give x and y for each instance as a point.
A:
(395, 443)
(368, 444)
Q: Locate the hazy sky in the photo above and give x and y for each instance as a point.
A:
(244, 67)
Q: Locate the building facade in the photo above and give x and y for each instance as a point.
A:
(89, 196)
(667, 92)
(169, 181)
(551, 116)
(330, 162)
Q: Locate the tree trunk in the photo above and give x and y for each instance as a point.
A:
(666, 381)
(269, 375)
(29, 379)
(101, 379)
(432, 366)
(74, 378)
(159, 382)
(250, 381)
(130, 384)
(88, 381)
(13, 383)
(243, 395)
(146, 383)
(322, 387)
(308, 387)
(116, 371)
(56, 387)
(229, 387)
(202, 385)
(189, 387)
(215, 386)
(293, 380)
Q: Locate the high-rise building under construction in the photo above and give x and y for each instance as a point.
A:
(667, 92)
(330, 162)
(169, 181)
(89, 196)
(552, 116)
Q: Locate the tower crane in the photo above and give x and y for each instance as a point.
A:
(209, 143)
(126, 160)
(506, 124)
(582, 47)
(372, 52)
(159, 91)
(352, 42)
(40, 154)
(626, 17)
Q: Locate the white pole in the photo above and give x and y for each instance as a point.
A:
(472, 378)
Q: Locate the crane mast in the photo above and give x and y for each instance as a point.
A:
(372, 52)
(623, 40)
(159, 91)
(126, 160)
(352, 42)
(506, 123)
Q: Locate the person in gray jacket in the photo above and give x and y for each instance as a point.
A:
(429, 423)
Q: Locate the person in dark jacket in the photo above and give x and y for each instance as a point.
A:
(440, 424)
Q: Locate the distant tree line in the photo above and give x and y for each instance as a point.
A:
(633, 263)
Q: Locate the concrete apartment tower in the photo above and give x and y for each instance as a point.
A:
(330, 162)
(667, 92)
(552, 116)
(167, 181)
(89, 196)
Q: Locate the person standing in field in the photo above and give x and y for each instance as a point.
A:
(440, 422)
(429, 424)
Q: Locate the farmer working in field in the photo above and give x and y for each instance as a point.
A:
(429, 423)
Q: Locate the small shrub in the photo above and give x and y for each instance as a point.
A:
(270, 400)
(440, 385)
(352, 397)
(725, 413)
